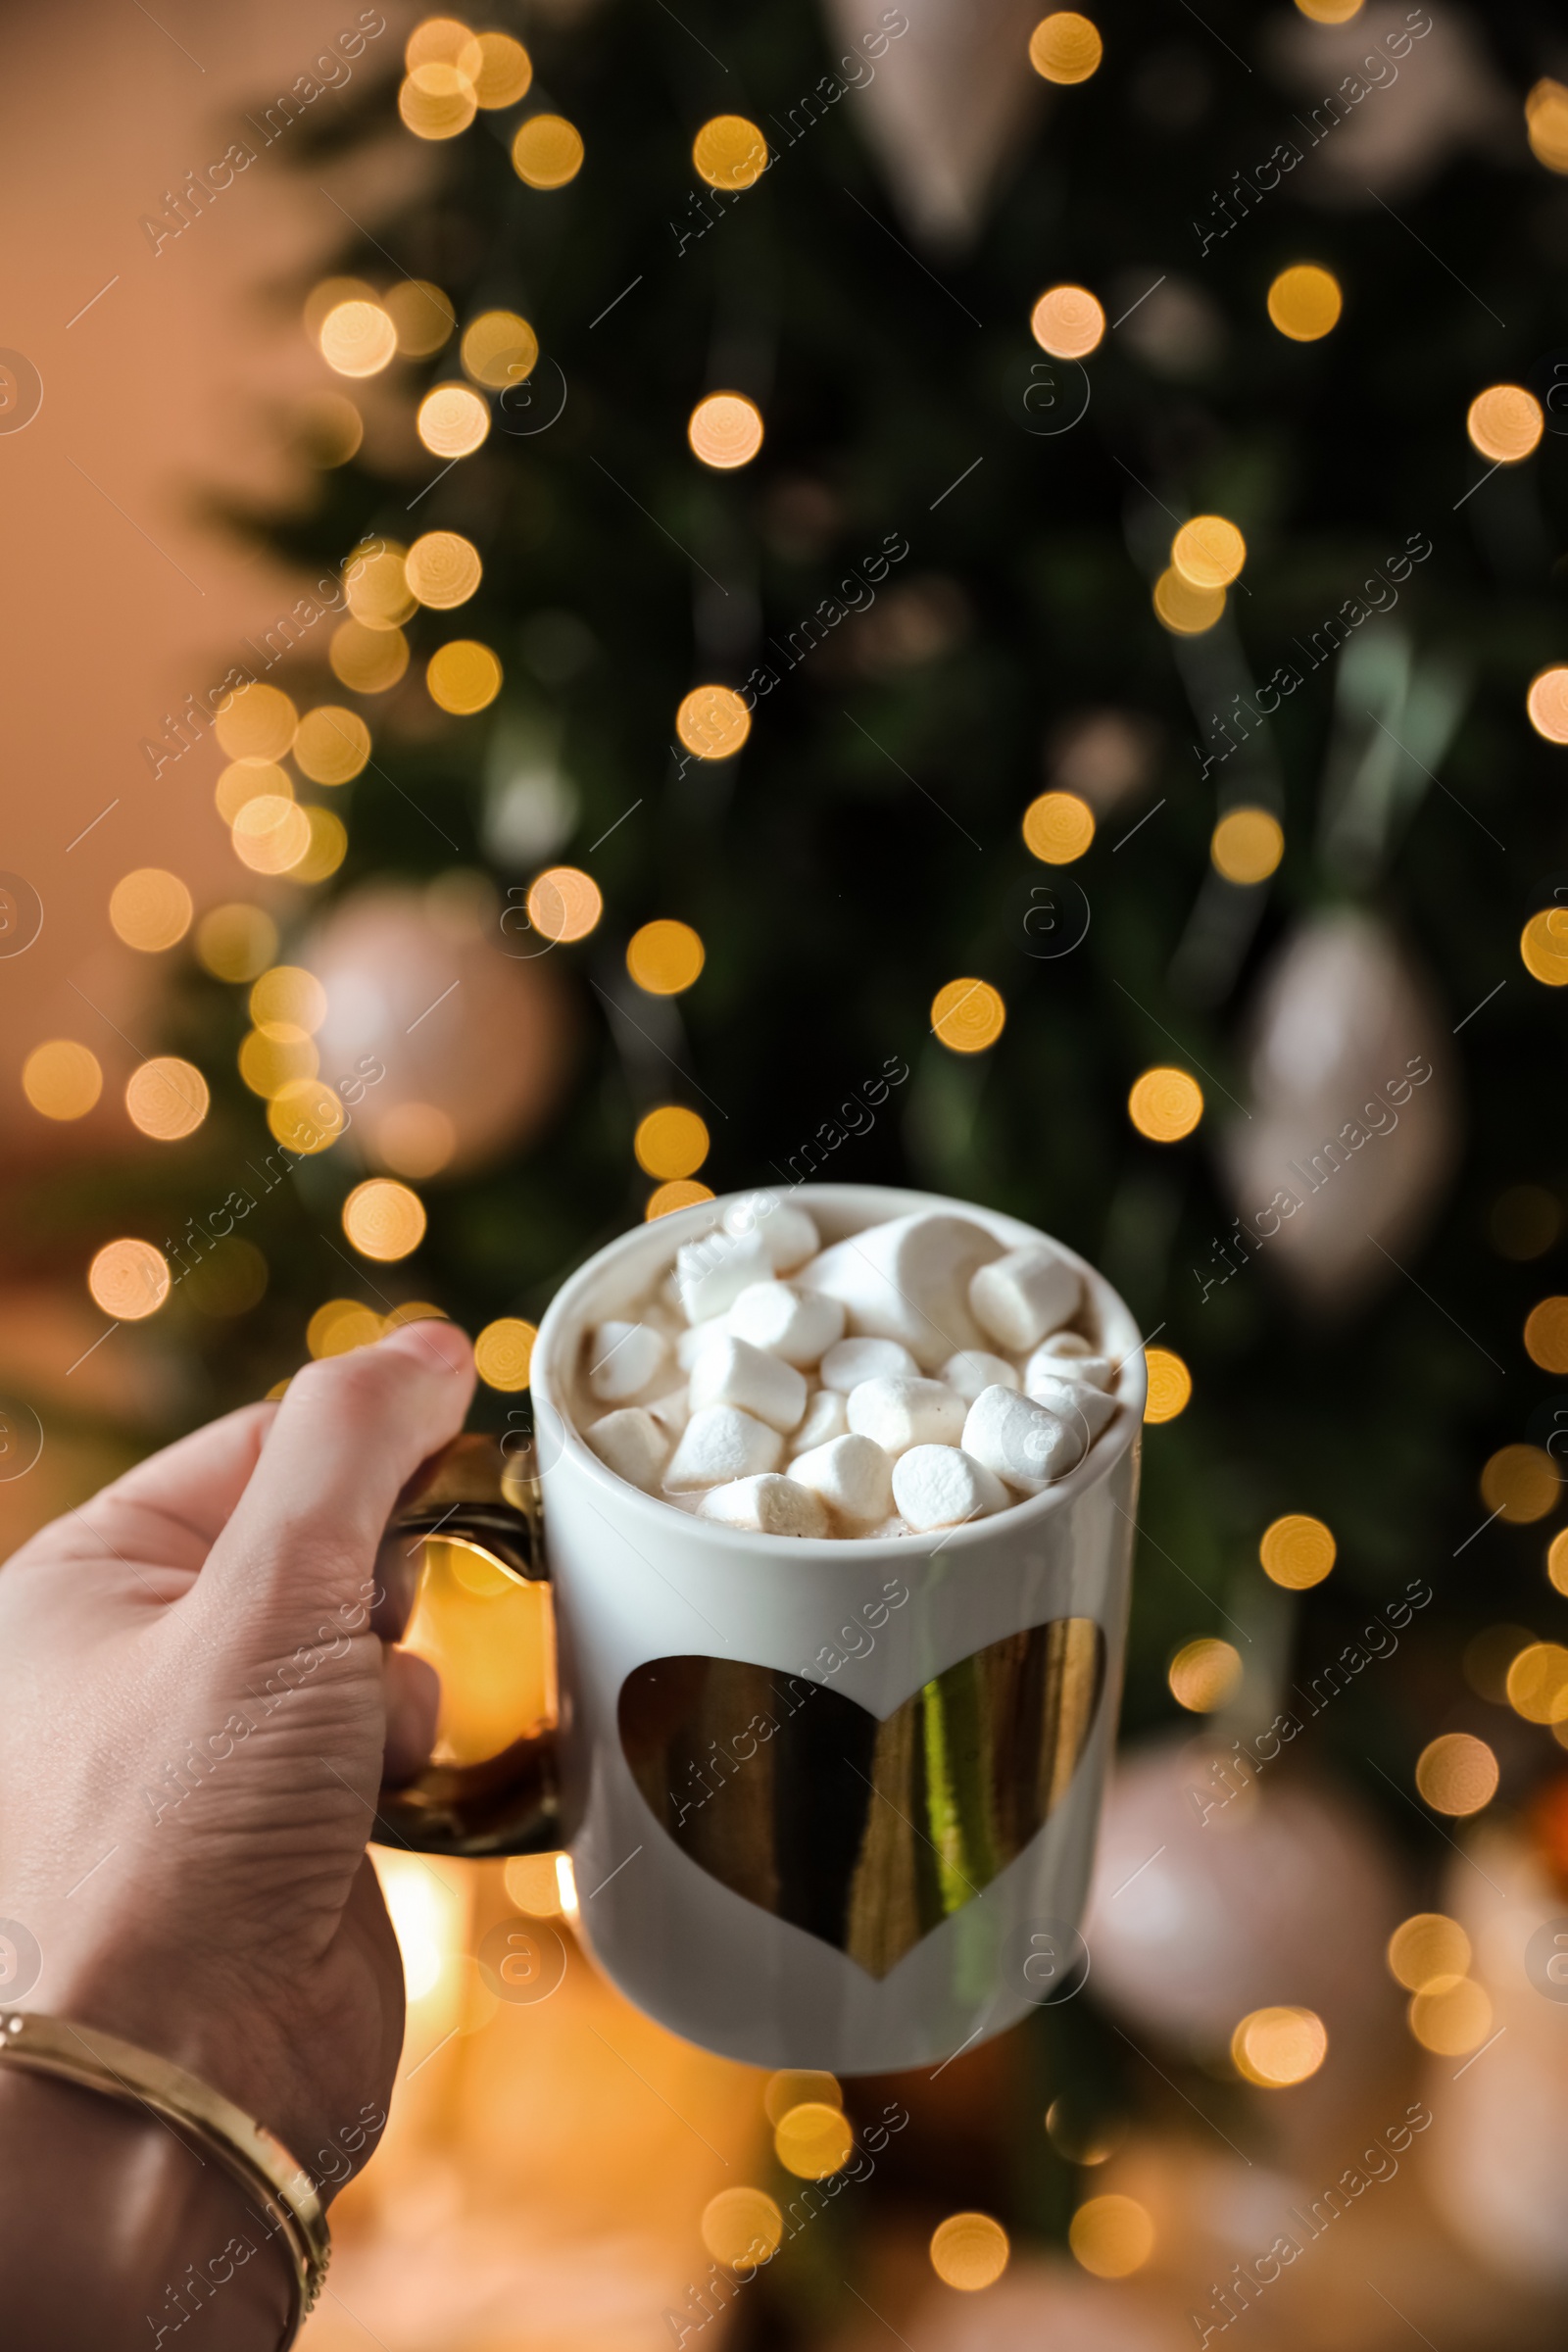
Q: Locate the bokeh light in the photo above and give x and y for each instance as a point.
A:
(671, 1141)
(367, 660)
(682, 1193)
(1536, 1682)
(1067, 321)
(1546, 124)
(500, 348)
(246, 780)
(503, 1353)
(742, 2228)
(1506, 423)
(1112, 2236)
(533, 1884)
(256, 722)
(725, 430)
(374, 587)
(1296, 1552)
(1557, 1562)
(1248, 845)
(813, 2140)
(270, 834)
(416, 1139)
(443, 569)
(150, 909)
(305, 1115)
(1066, 47)
(341, 1326)
(443, 42)
(712, 722)
(268, 1064)
(1186, 611)
(1546, 1335)
(288, 1002)
(463, 677)
(358, 339)
(1520, 1484)
(167, 1099)
(1170, 1385)
(62, 1079)
(1165, 1104)
(547, 152)
(665, 957)
(436, 101)
(1279, 2046)
(452, 420)
(421, 317)
(326, 295)
(967, 1016)
(1425, 1948)
(970, 2251)
(1544, 946)
(1547, 703)
(504, 71)
(730, 153)
(1208, 552)
(792, 2085)
(1330, 11)
(565, 904)
(1452, 2016)
(332, 745)
(130, 1280)
(1058, 827)
(383, 1220)
(1305, 302)
(328, 431)
(1457, 1774)
(1205, 1675)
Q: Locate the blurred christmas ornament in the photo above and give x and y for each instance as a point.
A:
(1352, 1132)
(944, 104)
(1220, 1891)
(1450, 99)
(1107, 758)
(473, 1043)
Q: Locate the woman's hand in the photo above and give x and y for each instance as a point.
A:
(193, 1713)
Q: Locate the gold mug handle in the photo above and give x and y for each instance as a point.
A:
(487, 1504)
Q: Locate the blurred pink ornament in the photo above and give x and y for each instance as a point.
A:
(474, 1044)
(1353, 1111)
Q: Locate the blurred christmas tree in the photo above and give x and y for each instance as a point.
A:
(904, 547)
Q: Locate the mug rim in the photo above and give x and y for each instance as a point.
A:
(692, 1224)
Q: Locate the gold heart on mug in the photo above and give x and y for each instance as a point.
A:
(865, 1834)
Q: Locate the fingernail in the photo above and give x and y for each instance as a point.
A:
(439, 1344)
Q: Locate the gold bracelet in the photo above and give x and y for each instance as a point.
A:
(280, 2191)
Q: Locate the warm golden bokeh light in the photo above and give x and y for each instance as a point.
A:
(1248, 845)
(1546, 1335)
(463, 677)
(565, 904)
(730, 153)
(358, 339)
(436, 101)
(452, 420)
(288, 1002)
(504, 71)
(1066, 47)
(1457, 1774)
(415, 1138)
(712, 722)
(1112, 2236)
(375, 586)
(1520, 1484)
(421, 316)
(1452, 2016)
(1306, 302)
(813, 2140)
(130, 1280)
(328, 431)
(150, 909)
(62, 1079)
(383, 1220)
(793, 2085)
(666, 1198)
(1330, 11)
(1067, 321)
(1536, 1682)
(1547, 703)
(725, 430)
(443, 42)
(167, 1099)
(1544, 946)
(1546, 124)
(325, 296)
(367, 660)
(268, 1064)
(443, 569)
(547, 152)
(1170, 1385)
(334, 745)
(256, 722)
(1205, 1675)
(742, 2228)
(270, 834)
(533, 1884)
(500, 348)
(1186, 611)
(250, 780)
(1425, 1948)
(967, 1016)
(1208, 552)
(970, 2251)
(1506, 423)
(1277, 2047)
(1557, 1562)
(503, 1353)
(665, 957)
(305, 1115)
(1058, 827)
(1296, 1552)
(326, 848)
(341, 1326)
(671, 1142)
(1165, 1104)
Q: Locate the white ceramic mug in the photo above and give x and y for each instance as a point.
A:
(830, 1803)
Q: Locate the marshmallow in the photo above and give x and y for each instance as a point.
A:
(973, 1369)
(1019, 1298)
(671, 1411)
(798, 1325)
(788, 1235)
(697, 1338)
(1088, 1410)
(720, 1442)
(1023, 1443)
(852, 1475)
(632, 1444)
(1068, 1355)
(892, 1527)
(941, 1486)
(768, 1505)
(711, 1274)
(623, 1359)
(845, 1367)
(824, 1418)
(734, 1372)
(908, 1281)
(900, 1413)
